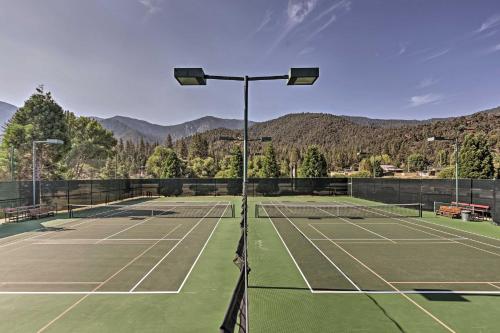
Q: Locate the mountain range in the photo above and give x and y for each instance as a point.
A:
(341, 138)
(127, 128)
(6, 112)
(134, 129)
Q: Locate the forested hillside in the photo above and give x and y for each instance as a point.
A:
(341, 139)
(131, 129)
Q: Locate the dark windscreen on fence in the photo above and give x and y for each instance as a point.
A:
(384, 190)
(429, 191)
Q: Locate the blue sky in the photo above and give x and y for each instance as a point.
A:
(378, 58)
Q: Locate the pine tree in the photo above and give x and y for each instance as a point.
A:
(314, 164)
(236, 163)
(270, 167)
(168, 142)
(182, 149)
(38, 119)
(476, 160)
(198, 147)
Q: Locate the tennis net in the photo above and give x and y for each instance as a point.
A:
(170, 210)
(328, 210)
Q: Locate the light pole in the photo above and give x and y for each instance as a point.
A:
(197, 77)
(35, 142)
(455, 140)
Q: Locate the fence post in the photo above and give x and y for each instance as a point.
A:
(470, 191)
(399, 190)
(67, 196)
(494, 217)
(91, 193)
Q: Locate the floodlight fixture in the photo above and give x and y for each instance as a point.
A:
(302, 76)
(438, 138)
(227, 138)
(190, 76)
(54, 141)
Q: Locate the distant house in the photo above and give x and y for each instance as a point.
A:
(390, 170)
(429, 172)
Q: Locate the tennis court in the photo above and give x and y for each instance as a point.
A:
(134, 248)
(389, 251)
(344, 264)
(142, 265)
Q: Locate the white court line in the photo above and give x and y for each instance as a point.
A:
(446, 226)
(494, 285)
(289, 253)
(87, 294)
(201, 251)
(359, 223)
(354, 224)
(394, 239)
(437, 224)
(62, 240)
(170, 251)
(132, 226)
(52, 232)
(324, 255)
(390, 285)
(48, 283)
(448, 233)
(443, 282)
(356, 292)
(411, 292)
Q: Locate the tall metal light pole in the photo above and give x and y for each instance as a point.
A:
(197, 77)
(455, 140)
(48, 141)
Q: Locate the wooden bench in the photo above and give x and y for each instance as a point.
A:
(40, 211)
(476, 209)
(450, 211)
(15, 213)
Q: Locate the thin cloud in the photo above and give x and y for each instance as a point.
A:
(425, 83)
(265, 21)
(490, 22)
(403, 47)
(435, 55)
(344, 4)
(495, 48)
(325, 25)
(297, 11)
(341, 5)
(420, 100)
(152, 6)
(306, 51)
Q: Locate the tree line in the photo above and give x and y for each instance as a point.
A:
(91, 151)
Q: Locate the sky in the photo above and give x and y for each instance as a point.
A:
(406, 59)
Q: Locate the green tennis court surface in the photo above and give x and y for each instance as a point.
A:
(116, 270)
(370, 272)
(168, 267)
